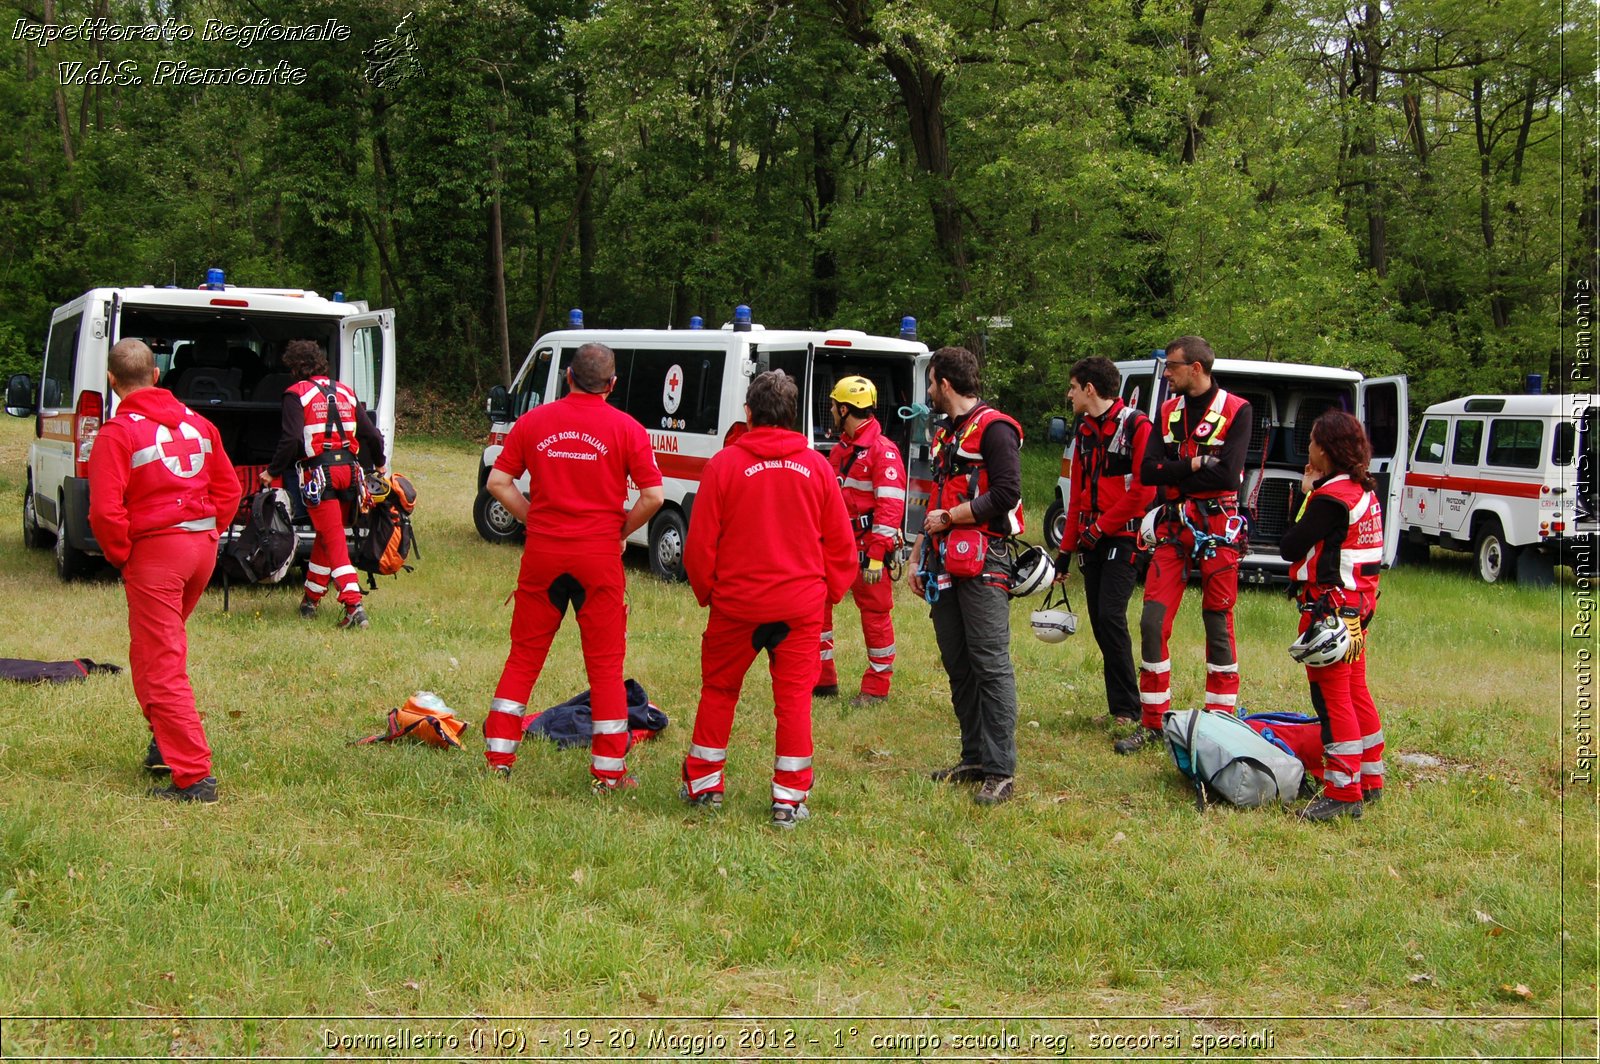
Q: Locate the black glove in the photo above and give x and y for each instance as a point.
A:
(1088, 538)
(1063, 563)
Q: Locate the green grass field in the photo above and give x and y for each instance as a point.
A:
(397, 883)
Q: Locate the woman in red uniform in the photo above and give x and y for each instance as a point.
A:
(1335, 551)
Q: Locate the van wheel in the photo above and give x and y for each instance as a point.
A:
(1497, 559)
(71, 562)
(1055, 525)
(32, 535)
(668, 534)
(494, 521)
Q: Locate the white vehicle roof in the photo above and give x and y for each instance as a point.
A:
(1534, 405)
(1244, 367)
(844, 339)
(272, 300)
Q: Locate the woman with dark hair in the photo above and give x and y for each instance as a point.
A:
(1335, 551)
(329, 438)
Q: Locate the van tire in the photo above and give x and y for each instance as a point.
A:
(33, 536)
(71, 562)
(1055, 525)
(1496, 559)
(494, 521)
(668, 536)
(1535, 568)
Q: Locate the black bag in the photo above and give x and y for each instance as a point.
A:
(384, 538)
(260, 553)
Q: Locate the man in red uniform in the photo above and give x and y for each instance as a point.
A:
(975, 509)
(160, 485)
(872, 477)
(1336, 547)
(580, 453)
(770, 489)
(1196, 471)
(329, 438)
(1107, 500)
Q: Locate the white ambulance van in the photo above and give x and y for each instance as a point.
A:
(219, 348)
(687, 388)
(1286, 399)
(1510, 478)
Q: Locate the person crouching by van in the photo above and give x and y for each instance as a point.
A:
(329, 439)
(1335, 551)
(1107, 502)
(975, 507)
(767, 488)
(872, 478)
(579, 452)
(160, 486)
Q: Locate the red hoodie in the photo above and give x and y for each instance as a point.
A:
(157, 468)
(769, 538)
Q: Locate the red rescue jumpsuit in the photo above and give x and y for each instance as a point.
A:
(873, 479)
(324, 427)
(160, 485)
(1207, 500)
(579, 453)
(767, 488)
(1344, 525)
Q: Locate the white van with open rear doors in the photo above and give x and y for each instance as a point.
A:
(1510, 478)
(1286, 398)
(687, 388)
(219, 349)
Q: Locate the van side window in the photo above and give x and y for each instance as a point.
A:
(60, 364)
(1430, 441)
(675, 389)
(1515, 442)
(1469, 442)
(366, 371)
(1563, 444)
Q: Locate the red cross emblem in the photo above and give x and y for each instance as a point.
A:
(183, 454)
(672, 390)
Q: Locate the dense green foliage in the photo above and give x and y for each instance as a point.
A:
(1374, 184)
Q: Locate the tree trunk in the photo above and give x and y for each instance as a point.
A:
(824, 301)
(1193, 49)
(1371, 56)
(60, 90)
(922, 92)
(584, 166)
(1498, 310)
(497, 248)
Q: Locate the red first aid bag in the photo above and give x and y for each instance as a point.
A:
(1297, 733)
(965, 550)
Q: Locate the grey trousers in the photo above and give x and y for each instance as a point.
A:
(972, 623)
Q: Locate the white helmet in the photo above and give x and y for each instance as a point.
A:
(1325, 641)
(1053, 625)
(1147, 530)
(1033, 570)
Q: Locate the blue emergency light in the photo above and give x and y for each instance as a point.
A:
(741, 318)
(908, 328)
(214, 279)
(574, 318)
(697, 322)
(338, 297)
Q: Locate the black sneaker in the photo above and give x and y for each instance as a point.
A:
(500, 772)
(825, 690)
(711, 800)
(786, 816)
(863, 700)
(154, 763)
(308, 608)
(354, 617)
(995, 789)
(1140, 739)
(1326, 808)
(965, 772)
(199, 791)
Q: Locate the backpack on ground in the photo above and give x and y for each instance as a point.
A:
(261, 551)
(425, 718)
(384, 538)
(1296, 733)
(1227, 759)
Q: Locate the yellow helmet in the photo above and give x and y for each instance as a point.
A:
(855, 391)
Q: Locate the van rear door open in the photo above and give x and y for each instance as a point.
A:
(1382, 402)
(366, 364)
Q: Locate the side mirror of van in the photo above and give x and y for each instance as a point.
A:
(498, 405)
(1058, 430)
(19, 396)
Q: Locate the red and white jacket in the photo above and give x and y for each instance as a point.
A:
(1107, 491)
(960, 473)
(305, 434)
(157, 468)
(1345, 559)
(769, 538)
(873, 478)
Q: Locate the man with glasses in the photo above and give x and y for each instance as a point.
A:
(1196, 525)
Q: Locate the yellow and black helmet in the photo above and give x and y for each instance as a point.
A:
(855, 391)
